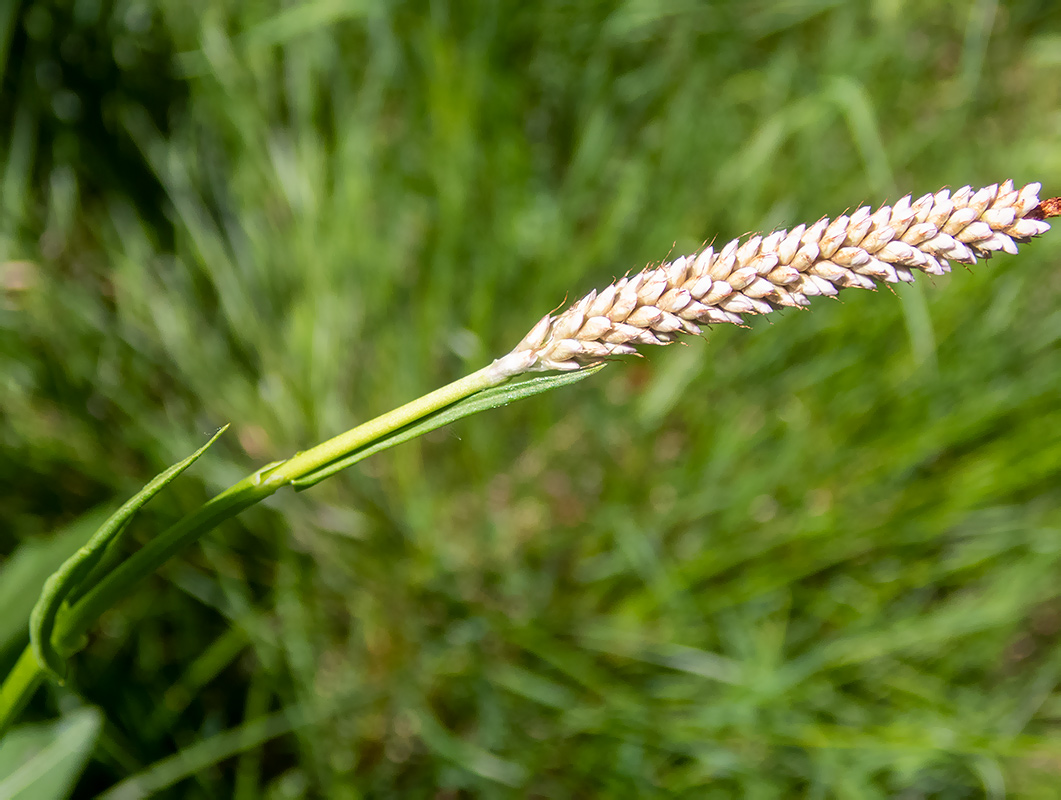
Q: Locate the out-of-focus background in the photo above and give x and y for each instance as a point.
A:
(820, 557)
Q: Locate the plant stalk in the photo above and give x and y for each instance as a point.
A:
(18, 687)
(74, 622)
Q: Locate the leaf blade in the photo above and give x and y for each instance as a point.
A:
(65, 580)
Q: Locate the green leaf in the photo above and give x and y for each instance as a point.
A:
(24, 573)
(42, 762)
(72, 574)
(482, 401)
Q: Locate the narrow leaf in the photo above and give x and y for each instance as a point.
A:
(72, 573)
(23, 573)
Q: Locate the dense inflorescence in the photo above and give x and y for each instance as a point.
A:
(782, 270)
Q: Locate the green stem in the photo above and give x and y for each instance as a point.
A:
(252, 489)
(72, 625)
(18, 687)
(323, 454)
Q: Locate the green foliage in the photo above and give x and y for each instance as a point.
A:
(42, 762)
(88, 565)
(815, 558)
(23, 573)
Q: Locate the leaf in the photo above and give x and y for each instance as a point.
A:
(42, 762)
(483, 401)
(24, 573)
(70, 576)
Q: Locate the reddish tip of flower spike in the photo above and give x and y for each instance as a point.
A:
(1050, 207)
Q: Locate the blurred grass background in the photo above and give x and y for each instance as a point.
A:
(819, 558)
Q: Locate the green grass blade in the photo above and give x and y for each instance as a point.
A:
(214, 749)
(42, 762)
